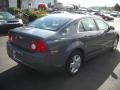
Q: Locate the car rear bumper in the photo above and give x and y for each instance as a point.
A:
(38, 61)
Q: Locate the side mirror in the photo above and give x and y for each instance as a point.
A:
(111, 28)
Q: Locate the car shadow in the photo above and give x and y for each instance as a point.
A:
(3, 34)
(110, 21)
(92, 75)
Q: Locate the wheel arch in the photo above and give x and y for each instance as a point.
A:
(117, 36)
(81, 51)
(77, 49)
(68, 60)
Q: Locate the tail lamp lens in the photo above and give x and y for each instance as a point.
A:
(10, 36)
(38, 46)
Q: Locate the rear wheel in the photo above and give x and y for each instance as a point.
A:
(74, 62)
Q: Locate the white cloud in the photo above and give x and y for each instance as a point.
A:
(88, 3)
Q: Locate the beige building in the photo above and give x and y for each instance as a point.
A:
(29, 3)
(12, 3)
(34, 3)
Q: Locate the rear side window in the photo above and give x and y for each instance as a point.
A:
(101, 24)
(73, 27)
(89, 24)
(81, 28)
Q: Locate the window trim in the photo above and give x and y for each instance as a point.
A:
(78, 31)
(84, 27)
(93, 21)
(97, 24)
(72, 24)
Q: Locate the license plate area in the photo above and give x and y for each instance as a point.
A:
(17, 55)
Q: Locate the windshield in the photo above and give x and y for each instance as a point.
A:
(6, 15)
(2, 16)
(49, 22)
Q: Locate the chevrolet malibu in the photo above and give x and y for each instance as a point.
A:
(61, 41)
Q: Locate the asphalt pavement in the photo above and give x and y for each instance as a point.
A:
(99, 73)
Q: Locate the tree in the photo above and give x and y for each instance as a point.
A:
(117, 7)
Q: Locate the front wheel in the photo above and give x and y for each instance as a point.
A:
(115, 44)
(73, 63)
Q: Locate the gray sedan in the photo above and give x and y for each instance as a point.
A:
(61, 41)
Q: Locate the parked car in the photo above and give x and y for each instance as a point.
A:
(8, 21)
(93, 14)
(115, 14)
(55, 12)
(106, 17)
(61, 41)
(80, 12)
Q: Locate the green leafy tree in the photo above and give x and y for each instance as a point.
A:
(117, 7)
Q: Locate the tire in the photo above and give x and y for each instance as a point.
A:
(115, 44)
(73, 63)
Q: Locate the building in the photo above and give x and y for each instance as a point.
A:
(59, 5)
(15, 3)
(35, 3)
(4, 4)
(12, 3)
(24, 4)
(29, 3)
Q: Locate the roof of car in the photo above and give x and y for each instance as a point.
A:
(70, 15)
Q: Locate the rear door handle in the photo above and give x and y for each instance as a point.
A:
(91, 36)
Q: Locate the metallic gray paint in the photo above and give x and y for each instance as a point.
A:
(60, 46)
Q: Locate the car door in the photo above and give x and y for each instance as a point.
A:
(107, 36)
(89, 34)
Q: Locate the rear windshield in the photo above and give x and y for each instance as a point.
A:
(49, 22)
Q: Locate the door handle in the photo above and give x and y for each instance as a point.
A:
(91, 36)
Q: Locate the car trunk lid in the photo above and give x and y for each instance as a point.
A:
(34, 31)
(24, 37)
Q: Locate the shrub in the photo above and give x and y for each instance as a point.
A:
(27, 12)
(41, 12)
(11, 10)
(34, 14)
(14, 10)
(32, 17)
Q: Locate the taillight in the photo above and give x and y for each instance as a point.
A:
(10, 36)
(33, 46)
(38, 46)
